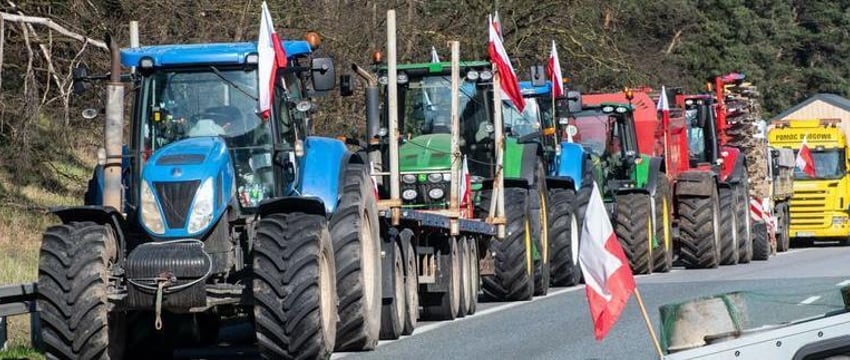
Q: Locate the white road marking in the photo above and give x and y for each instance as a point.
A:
(809, 300)
(843, 283)
(436, 325)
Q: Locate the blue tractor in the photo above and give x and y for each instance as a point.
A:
(225, 217)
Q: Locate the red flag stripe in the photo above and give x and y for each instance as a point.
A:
(507, 77)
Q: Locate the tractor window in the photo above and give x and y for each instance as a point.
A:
(520, 124)
(696, 137)
(291, 122)
(829, 164)
(428, 102)
(593, 132)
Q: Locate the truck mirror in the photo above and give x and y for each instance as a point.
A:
(80, 76)
(323, 74)
(346, 85)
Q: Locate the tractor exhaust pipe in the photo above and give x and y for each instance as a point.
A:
(373, 119)
(113, 133)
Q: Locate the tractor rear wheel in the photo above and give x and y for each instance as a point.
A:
(761, 242)
(392, 314)
(633, 227)
(294, 287)
(514, 276)
(540, 230)
(699, 227)
(474, 278)
(565, 230)
(449, 301)
(662, 255)
(783, 234)
(411, 290)
(73, 269)
(744, 223)
(465, 295)
(728, 227)
(356, 239)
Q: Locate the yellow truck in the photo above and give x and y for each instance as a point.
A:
(819, 206)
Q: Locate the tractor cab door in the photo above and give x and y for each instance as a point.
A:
(702, 134)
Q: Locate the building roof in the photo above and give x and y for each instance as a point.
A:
(213, 53)
(832, 99)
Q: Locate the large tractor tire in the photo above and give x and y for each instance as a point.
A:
(744, 223)
(294, 287)
(356, 240)
(411, 290)
(662, 255)
(73, 271)
(565, 233)
(448, 303)
(514, 272)
(761, 242)
(728, 227)
(783, 223)
(698, 230)
(540, 231)
(633, 227)
(465, 279)
(392, 313)
(474, 277)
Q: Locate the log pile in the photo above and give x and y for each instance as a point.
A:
(743, 120)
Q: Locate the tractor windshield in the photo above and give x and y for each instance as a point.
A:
(428, 104)
(593, 132)
(696, 137)
(829, 164)
(520, 124)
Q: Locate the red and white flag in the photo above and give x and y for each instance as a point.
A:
(507, 77)
(605, 267)
(271, 58)
(465, 190)
(554, 71)
(804, 160)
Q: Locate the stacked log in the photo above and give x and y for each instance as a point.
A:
(743, 131)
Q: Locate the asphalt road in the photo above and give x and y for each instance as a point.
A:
(796, 284)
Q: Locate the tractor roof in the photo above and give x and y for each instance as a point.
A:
(214, 53)
(530, 90)
(435, 68)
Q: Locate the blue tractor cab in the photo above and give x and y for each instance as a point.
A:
(227, 213)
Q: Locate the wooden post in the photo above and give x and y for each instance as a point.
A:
(392, 108)
(648, 324)
(498, 202)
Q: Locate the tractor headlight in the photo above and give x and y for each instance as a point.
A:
(472, 75)
(151, 216)
(408, 194)
(436, 193)
(202, 207)
(435, 178)
(408, 179)
(447, 177)
(486, 75)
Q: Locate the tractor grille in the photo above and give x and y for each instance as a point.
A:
(808, 208)
(175, 198)
(181, 159)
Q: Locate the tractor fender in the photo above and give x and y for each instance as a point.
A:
(560, 182)
(738, 170)
(695, 183)
(571, 162)
(103, 215)
(321, 170)
(290, 204)
(527, 161)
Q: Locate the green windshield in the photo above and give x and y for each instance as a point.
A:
(427, 105)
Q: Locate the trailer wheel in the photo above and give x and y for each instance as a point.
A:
(73, 266)
(465, 295)
(565, 230)
(540, 231)
(728, 227)
(783, 238)
(474, 278)
(633, 227)
(392, 314)
(449, 301)
(294, 287)
(514, 274)
(411, 290)
(354, 230)
(761, 242)
(662, 255)
(699, 227)
(744, 223)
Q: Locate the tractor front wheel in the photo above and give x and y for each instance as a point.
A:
(514, 276)
(564, 225)
(662, 255)
(699, 227)
(634, 229)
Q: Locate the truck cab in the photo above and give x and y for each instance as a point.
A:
(819, 206)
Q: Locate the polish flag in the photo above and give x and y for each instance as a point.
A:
(804, 160)
(507, 77)
(271, 58)
(605, 267)
(554, 71)
(465, 190)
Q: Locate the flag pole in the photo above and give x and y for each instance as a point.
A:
(648, 324)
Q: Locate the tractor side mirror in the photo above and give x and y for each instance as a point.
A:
(80, 76)
(346, 85)
(323, 74)
(538, 75)
(574, 104)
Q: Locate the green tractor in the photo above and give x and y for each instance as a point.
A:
(618, 131)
